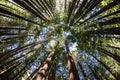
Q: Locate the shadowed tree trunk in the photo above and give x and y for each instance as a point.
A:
(42, 71)
(110, 31)
(71, 8)
(114, 3)
(93, 72)
(46, 65)
(114, 73)
(52, 73)
(10, 53)
(83, 72)
(114, 56)
(4, 11)
(73, 74)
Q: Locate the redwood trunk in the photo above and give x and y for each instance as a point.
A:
(46, 65)
(73, 74)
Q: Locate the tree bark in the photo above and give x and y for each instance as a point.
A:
(73, 73)
(46, 65)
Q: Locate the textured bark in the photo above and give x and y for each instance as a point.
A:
(42, 71)
(73, 74)
(46, 65)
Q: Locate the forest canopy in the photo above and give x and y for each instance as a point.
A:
(59, 39)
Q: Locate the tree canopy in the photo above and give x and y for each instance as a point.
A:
(59, 39)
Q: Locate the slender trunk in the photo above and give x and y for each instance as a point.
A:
(38, 5)
(93, 72)
(107, 22)
(4, 11)
(10, 53)
(83, 72)
(52, 71)
(35, 72)
(5, 73)
(12, 28)
(71, 9)
(114, 56)
(65, 6)
(29, 63)
(89, 6)
(23, 4)
(116, 12)
(110, 31)
(84, 2)
(109, 6)
(42, 4)
(35, 9)
(73, 73)
(32, 75)
(113, 47)
(13, 60)
(114, 73)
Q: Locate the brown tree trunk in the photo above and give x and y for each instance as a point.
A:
(42, 70)
(52, 73)
(73, 73)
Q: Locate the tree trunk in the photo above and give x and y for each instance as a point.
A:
(83, 72)
(46, 65)
(4, 11)
(110, 31)
(73, 74)
(114, 56)
(10, 53)
(114, 73)
(93, 72)
(114, 3)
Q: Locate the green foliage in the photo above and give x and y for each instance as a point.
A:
(41, 24)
